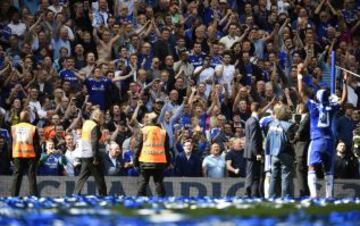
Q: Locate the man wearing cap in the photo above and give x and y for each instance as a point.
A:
(25, 152)
(152, 154)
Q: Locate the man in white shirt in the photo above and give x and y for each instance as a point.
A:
(231, 38)
(55, 7)
(101, 15)
(17, 28)
(70, 153)
(35, 106)
(225, 72)
(205, 74)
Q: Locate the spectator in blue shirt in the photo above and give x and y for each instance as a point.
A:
(52, 162)
(96, 87)
(68, 73)
(196, 58)
(214, 164)
(128, 157)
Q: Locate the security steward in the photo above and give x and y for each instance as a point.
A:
(25, 153)
(152, 155)
(89, 155)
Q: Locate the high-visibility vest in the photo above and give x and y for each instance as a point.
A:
(23, 136)
(153, 148)
(85, 141)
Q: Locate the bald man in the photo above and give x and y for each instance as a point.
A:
(25, 152)
(235, 162)
(89, 155)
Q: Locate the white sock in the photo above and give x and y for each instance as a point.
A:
(312, 184)
(329, 186)
(267, 185)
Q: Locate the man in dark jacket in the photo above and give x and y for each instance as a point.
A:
(4, 157)
(253, 152)
(113, 162)
(152, 154)
(345, 126)
(187, 164)
(302, 140)
(346, 166)
(163, 47)
(235, 162)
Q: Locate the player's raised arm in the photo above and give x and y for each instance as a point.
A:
(300, 71)
(345, 89)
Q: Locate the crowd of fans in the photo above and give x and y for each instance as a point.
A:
(198, 64)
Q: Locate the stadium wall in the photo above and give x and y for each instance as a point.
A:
(60, 186)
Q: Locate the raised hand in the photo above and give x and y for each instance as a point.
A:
(140, 103)
(193, 89)
(300, 68)
(287, 91)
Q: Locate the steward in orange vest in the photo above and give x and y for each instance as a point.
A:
(90, 158)
(152, 154)
(25, 147)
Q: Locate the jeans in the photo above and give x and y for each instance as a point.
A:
(284, 164)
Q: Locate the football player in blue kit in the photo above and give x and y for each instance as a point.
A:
(322, 109)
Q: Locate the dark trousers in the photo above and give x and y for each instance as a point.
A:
(88, 169)
(21, 164)
(253, 176)
(301, 168)
(158, 175)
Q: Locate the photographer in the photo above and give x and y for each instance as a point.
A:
(52, 162)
